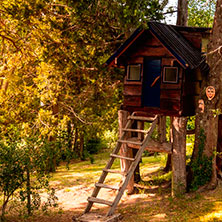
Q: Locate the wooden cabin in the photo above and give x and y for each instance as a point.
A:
(163, 66)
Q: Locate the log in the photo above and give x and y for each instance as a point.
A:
(154, 146)
(124, 150)
(168, 166)
(190, 132)
(140, 126)
(179, 156)
(162, 128)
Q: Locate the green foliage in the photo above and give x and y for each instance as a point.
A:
(201, 13)
(191, 123)
(216, 112)
(57, 95)
(23, 167)
(190, 138)
(94, 145)
(201, 166)
(168, 128)
(11, 168)
(110, 136)
(160, 179)
(52, 55)
(146, 153)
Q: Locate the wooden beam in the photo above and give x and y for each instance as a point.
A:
(153, 146)
(162, 128)
(190, 132)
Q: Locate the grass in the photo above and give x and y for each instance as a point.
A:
(190, 207)
(156, 204)
(83, 172)
(152, 203)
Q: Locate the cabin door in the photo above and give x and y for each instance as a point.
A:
(151, 82)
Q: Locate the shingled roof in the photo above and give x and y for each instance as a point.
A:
(172, 39)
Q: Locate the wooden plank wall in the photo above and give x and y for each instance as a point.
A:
(170, 94)
(133, 89)
(194, 38)
(191, 91)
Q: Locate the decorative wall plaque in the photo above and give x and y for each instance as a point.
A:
(210, 92)
(201, 105)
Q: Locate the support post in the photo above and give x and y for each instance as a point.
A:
(179, 155)
(162, 128)
(124, 150)
(168, 166)
(137, 177)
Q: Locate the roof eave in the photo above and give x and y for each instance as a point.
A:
(113, 59)
(175, 55)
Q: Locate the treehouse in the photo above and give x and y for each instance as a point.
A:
(164, 66)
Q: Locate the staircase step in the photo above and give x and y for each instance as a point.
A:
(130, 141)
(122, 157)
(135, 130)
(142, 118)
(114, 171)
(101, 185)
(100, 201)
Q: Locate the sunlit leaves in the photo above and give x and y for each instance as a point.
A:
(201, 13)
(53, 60)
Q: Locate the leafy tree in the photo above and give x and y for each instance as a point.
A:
(52, 56)
(201, 13)
(22, 166)
(59, 93)
(206, 135)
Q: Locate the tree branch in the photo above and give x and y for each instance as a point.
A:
(69, 108)
(11, 40)
(219, 50)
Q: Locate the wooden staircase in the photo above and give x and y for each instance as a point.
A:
(134, 162)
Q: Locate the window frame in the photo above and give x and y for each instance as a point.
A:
(164, 75)
(128, 72)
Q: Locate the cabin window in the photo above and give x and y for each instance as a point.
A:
(170, 75)
(134, 72)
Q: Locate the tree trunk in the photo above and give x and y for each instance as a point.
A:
(81, 147)
(28, 189)
(137, 125)
(179, 127)
(5, 202)
(70, 135)
(207, 121)
(215, 78)
(219, 148)
(162, 128)
(52, 162)
(182, 12)
(179, 155)
(75, 145)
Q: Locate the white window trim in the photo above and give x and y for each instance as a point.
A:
(171, 67)
(128, 74)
